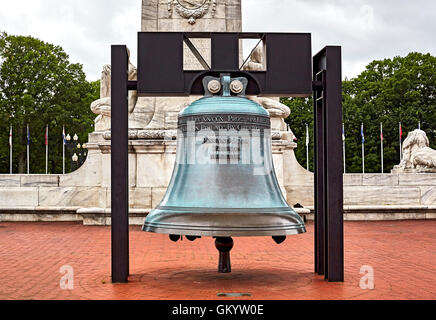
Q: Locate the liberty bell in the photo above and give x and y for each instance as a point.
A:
(224, 183)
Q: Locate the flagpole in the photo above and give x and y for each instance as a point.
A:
(382, 139)
(28, 150)
(343, 143)
(307, 146)
(401, 143)
(363, 151)
(10, 148)
(63, 150)
(46, 150)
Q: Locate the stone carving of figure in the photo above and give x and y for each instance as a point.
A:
(416, 153)
(277, 110)
(273, 105)
(256, 60)
(102, 106)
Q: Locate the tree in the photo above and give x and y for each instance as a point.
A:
(39, 87)
(302, 115)
(389, 91)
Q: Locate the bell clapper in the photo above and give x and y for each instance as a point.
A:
(174, 237)
(224, 246)
(192, 238)
(279, 239)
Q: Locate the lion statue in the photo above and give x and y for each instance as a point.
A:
(416, 153)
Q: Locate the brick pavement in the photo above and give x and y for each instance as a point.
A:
(402, 253)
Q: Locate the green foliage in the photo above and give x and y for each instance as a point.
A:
(302, 115)
(402, 89)
(39, 86)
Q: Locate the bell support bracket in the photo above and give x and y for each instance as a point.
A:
(290, 71)
(329, 233)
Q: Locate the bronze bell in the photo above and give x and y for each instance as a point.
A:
(224, 184)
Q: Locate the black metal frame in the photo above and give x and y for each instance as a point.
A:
(329, 233)
(288, 73)
(161, 73)
(120, 165)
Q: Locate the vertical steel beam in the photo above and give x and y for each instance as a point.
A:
(319, 114)
(119, 165)
(329, 237)
(225, 51)
(334, 166)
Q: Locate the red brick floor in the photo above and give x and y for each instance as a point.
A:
(403, 255)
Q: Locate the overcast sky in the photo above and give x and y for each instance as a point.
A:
(367, 29)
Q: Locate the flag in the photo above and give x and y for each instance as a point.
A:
(401, 131)
(63, 136)
(307, 136)
(10, 137)
(46, 136)
(343, 132)
(362, 134)
(381, 133)
(28, 136)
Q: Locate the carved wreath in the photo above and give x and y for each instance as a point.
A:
(192, 14)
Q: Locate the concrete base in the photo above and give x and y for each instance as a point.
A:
(385, 213)
(101, 217)
(88, 216)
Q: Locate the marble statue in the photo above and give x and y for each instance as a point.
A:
(417, 155)
(102, 106)
(255, 63)
(273, 105)
(277, 110)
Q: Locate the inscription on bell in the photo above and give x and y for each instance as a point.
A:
(225, 138)
(225, 122)
(227, 151)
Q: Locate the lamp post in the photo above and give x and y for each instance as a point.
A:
(78, 150)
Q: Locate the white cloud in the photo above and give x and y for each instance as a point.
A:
(367, 29)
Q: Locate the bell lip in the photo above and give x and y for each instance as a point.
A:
(200, 210)
(284, 221)
(226, 232)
